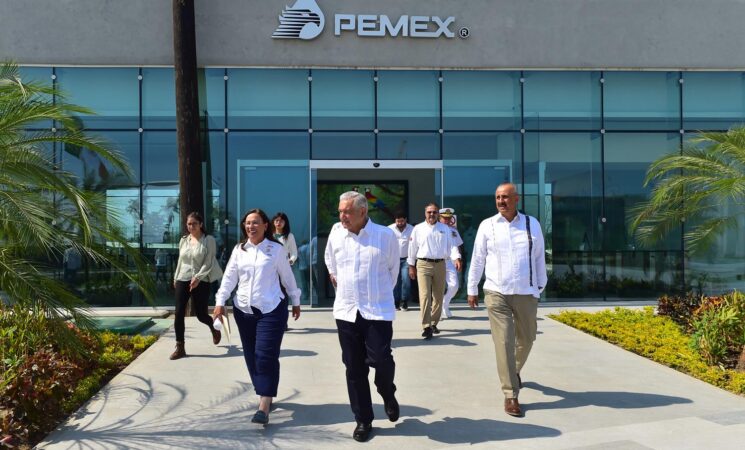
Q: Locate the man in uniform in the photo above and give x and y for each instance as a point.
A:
(447, 217)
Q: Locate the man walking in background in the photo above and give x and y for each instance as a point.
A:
(402, 291)
(510, 247)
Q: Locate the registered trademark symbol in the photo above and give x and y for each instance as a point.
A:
(464, 32)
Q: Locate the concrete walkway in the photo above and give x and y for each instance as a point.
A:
(580, 393)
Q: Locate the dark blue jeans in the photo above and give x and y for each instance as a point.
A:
(364, 344)
(261, 336)
(402, 291)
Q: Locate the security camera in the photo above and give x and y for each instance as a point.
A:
(376, 164)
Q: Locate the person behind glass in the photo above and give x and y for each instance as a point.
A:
(402, 291)
(363, 260)
(257, 266)
(195, 270)
(509, 246)
(283, 236)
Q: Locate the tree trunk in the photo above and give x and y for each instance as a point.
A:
(741, 361)
(187, 110)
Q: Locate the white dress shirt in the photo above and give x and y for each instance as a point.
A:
(432, 242)
(258, 270)
(290, 246)
(365, 266)
(403, 238)
(502, 247)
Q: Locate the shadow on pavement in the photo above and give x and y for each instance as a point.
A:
(458, 430)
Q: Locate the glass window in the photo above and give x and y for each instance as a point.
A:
(268, 145)
(343, 100)
(42, 76)
(562, 100)
(93, 172)
(161, 222)
(330, 145)
(713, 100)
(480, 100)
(563, 189)
(409, 145)
(112, 94)
(408, 100)
(215, 204)
(463, 145)
(158, 99)
(641, 101)
(212, 98)
(268, 99)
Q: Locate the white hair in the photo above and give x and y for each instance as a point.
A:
(358, 200)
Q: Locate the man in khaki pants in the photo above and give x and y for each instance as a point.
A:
(509, 247)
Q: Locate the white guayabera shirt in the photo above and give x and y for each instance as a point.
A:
(502, 248)
(365, 266)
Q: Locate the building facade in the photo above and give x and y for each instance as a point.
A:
(408, 102)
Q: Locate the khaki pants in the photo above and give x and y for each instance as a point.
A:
(513, 330)
(431, 280)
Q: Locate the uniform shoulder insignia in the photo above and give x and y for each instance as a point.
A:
(454, 233)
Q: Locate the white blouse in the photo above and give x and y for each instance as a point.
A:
(290, 246)
(257, 270)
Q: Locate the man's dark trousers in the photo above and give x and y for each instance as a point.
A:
(364, 344)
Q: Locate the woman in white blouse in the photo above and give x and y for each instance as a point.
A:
(196, 269)
(283, 235)
(257, 266)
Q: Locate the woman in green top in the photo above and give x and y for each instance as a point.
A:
(196, 269)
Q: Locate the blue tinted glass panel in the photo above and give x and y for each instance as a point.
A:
(343, 100)
(268, 99)
(465, 145)
(113, 94)
(409, 145)
(481, 100)
(408, 100)
(269, 145)
(158, 99)
(41, 76)
(330, 145)
(216, 182)
(562, 100)
(627, 158)
(212, 97)
(160, 188)
(642, 101)
(713, 101)
(94, 172)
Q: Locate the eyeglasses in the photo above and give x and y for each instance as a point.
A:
(431, 212)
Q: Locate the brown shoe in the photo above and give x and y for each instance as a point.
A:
(216, 336)
(180, 352)
(512, 407)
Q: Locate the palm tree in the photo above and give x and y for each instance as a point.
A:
(43, 212)
(693, 187)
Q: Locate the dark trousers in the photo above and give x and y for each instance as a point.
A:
(200, 297)
(364, 344)
(261, 336)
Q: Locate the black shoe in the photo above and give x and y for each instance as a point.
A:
(427, 333)
(362, 431)
(260, 417)
(398, 308)
(391, 409)
(435, 329)
(404, 306)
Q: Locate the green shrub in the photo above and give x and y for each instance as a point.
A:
(679, 308)
(719, 329)
(655, 337)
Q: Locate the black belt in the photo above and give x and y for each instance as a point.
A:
(403, 258)
(431, 260)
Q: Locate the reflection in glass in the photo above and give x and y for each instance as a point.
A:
(713, 100)
(562, 100)
(212, 98)
(41, 76)
(408, 145)
(482, 145)
(161, 223)
(480, 100)
(93, 172)
(348, 145)
(268, 145)
(268, 99)
(641, 101)
(408, 100)
(158, 99)
(343, 100)
(112, 93)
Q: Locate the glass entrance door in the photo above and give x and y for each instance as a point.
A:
(390, 187)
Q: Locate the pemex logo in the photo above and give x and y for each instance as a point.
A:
(304, 20)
